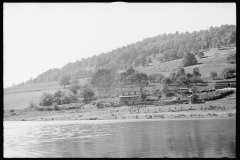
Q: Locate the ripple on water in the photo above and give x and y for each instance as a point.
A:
(197, 138)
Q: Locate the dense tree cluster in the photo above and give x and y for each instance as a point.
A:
(164, 47)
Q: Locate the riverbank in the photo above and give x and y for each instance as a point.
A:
(221, 108)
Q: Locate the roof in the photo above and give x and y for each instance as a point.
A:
(129, 96)
(225, 81)
(131, 89)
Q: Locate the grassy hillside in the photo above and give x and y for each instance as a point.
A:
(213, 60)
(20, 97)
(39, 87)
(164, 68)
(22, 100)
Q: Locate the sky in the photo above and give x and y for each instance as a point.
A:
(41, 36)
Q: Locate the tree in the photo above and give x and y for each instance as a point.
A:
(228, 72)
(218, 44)
(143, 59)
(189, 76)
(75, 86)
(136, 62)
(196, 80)
(200, 54)
(181, 72)
(149, 60)
(166, 81)
(182, 80)
(189, 59)
(137, 77)
(46, 99)
(159, 77)
(58, 94)
(152, 77)
(87, 93)
(64, 80)
(165, 89)
(213, 74)
(196, 72)
(143, 97)
(231, 58)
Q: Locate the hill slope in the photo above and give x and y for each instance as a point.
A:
(167, 47)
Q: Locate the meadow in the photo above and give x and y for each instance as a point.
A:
(213, 60)
(19, 97)
(39, 87)
(22, 100)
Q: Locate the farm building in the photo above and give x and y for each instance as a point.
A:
(225, 84)
(177, 87)
(130, 95)
(148, 90)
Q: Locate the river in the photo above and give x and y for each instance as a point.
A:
(121, 138)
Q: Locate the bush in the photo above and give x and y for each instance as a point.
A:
(33, 105)
(228, 72)
(46, 99)
(213, 74)
(59, 94)
(200, 54)
(87, 93)
(56, 108)
(189, 59)
(74, 88)
(231, 58)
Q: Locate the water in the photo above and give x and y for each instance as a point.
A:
(121, 138)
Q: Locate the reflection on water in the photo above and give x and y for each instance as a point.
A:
(144, 138)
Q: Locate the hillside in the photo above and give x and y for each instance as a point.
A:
(39, 87)
(165, 47)
(166, 67)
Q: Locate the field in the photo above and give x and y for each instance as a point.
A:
(19, 97)
(164, 68)
(213, 60)
(21, 100)
(39, 87)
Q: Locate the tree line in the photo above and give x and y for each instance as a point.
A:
(163, 48)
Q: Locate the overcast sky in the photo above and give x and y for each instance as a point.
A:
(41, 36)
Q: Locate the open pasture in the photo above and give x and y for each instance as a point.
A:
(22, 100)
(205, 70)
(39, 87)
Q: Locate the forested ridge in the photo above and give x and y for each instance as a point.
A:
(163, 48)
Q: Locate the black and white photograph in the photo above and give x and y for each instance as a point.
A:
(119, 80)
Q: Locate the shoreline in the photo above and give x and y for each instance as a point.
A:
(223, 108)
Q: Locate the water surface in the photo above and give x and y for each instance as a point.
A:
(121, 138)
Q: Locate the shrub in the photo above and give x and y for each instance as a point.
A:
(213, 74)
(87, 93)
(228, 72)
(56, 108)
(65, 100)
(74, 87)
(143, 97)
(189, 59)
(33, 105)
(59, 94)
(231, 58)
(46, 99)
(200, 54)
